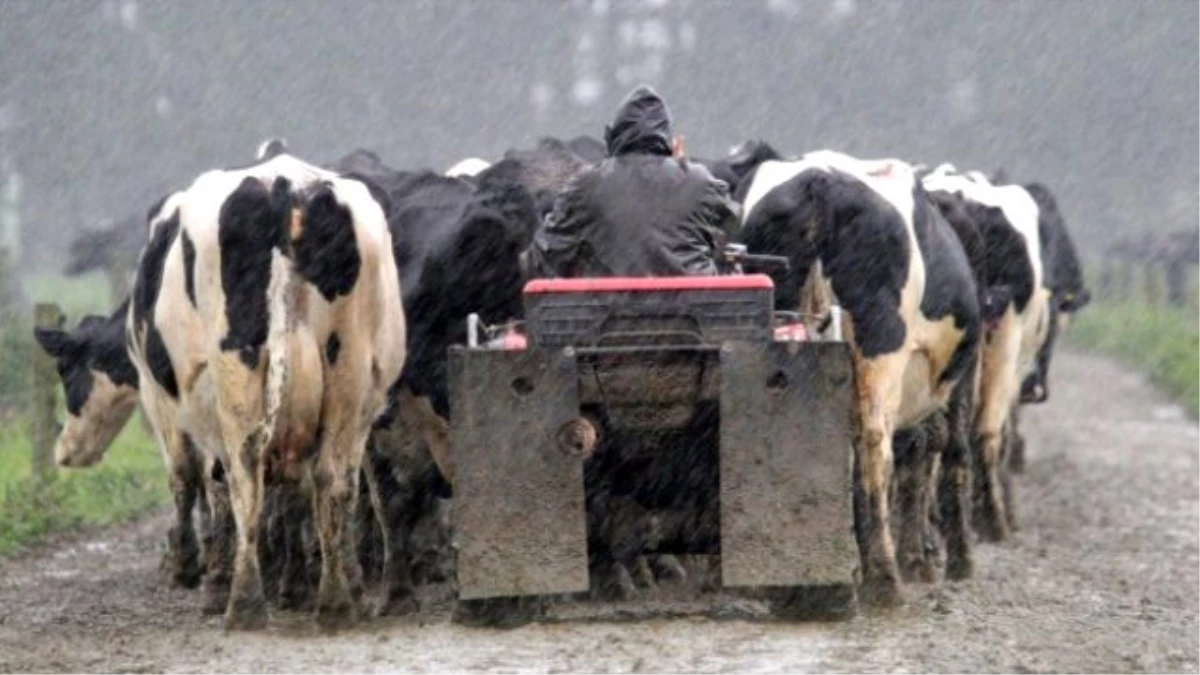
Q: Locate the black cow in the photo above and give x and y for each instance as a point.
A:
(741, 162)
(456, 244)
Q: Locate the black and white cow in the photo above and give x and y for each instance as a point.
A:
(266, 327)
(1008, 218)
(863, 234)
(1063, 279)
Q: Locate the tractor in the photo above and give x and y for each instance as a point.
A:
(631, 358)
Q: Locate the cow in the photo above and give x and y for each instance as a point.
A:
(456, 244)
(1063, 279)
(1008, 219)
(91, 358)
(101, 383)
(470, 166)
(544, 170)
(863, 234)
(740, 162)
(301, 334)
(266, 328)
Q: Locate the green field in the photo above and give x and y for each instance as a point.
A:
(130, 480)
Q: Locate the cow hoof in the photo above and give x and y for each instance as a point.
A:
(216, 600)
(668, 568)
(246, 615)
(919, 569)
(626, 590)
(189, 578)
(992, 531)
(838, 602)
(400, 604)
(337, 616)
(645, 576)
(1016, 461)
(497, 612)
(187, 575)
(960, 567)
(613, 583)
(296, 599)
(881, 587)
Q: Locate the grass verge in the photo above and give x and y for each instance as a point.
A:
(1162, 342)
(129, 481)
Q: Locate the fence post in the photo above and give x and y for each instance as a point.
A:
(1176, 271)
(1152, 284)
(1107, 282)
(43, 420)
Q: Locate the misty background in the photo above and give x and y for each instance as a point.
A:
(107, 105)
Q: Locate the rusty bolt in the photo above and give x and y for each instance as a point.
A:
(577, 438)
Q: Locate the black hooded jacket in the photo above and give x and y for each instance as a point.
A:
(639, 212)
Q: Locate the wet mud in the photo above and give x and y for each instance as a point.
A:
(1103, 575)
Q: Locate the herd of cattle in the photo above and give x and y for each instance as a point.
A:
(287, 333)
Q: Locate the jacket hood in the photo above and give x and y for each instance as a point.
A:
(642, 125)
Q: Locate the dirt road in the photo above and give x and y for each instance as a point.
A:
(1104, 575)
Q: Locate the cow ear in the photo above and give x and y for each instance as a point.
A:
(55, 342)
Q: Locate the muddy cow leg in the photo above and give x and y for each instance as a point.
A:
(218, 541)
(370, 546)
(1016, 454)
(182, 560)
(667, 568)
(989, 517)
(394, 516)
(296, 589)
(335, 489)
(997, 393)
(272, 545)
(913, 463)
(878, 381)
(937, 438)
(1006, 474)
(954, 483)
(247, 608)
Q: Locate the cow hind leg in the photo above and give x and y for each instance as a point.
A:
(913, 467)
(218, 542)
(988, 513)
(954, 484)
(272, 546)
(1016, 454)
(876, 379)
(1011, 435)
(335, 490)
(398, 595)
(182, 560)
(247, 608)
(296, 590)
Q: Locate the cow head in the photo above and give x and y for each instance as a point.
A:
(740, 163)
(100, 383)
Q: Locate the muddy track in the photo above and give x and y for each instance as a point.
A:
(1103, 575)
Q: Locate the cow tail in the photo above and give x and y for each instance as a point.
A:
(281, 307)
